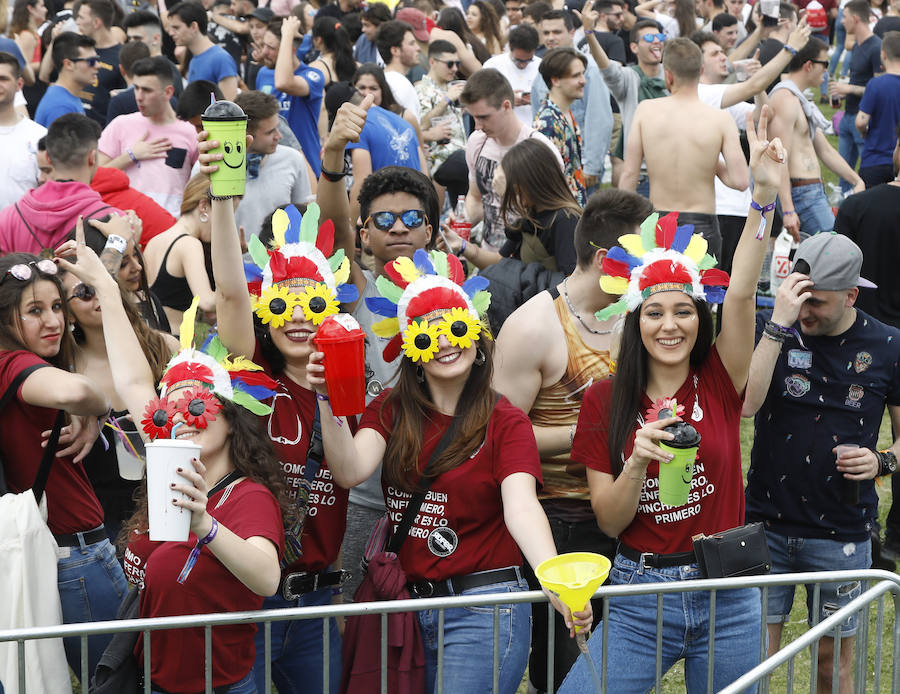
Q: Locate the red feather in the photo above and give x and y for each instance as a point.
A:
(616, 268)
(255, 287)
(714, 276)
(664, 271)
(433, 300)
(665, 230)
(286, 268)
(457, 274)
(325, 239)
(392, 349)
(188, 371)
(391, 272)
(254, 378)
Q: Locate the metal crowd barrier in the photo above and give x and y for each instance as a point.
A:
(879, 583)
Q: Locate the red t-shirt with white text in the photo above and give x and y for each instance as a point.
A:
(716, 499)
(460, 528)
(176, 655)
(72, 505)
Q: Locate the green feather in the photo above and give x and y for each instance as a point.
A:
(216, 349)
(707, 262)
(309, 227)
(439, 260)
(258, 251)
(388, 289)
(335, 261)
(648, 232)
(621, 306)
(481, 301)
(248, 402)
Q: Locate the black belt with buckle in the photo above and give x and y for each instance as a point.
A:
(89, 537)
(294, 585)
(460, 584)
(658, 561)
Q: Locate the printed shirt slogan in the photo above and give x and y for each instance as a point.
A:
(429, 525)
(649, 503)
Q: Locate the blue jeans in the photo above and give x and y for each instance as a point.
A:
(798, 554)
(840, 36)
(468, 643)
(850, 145)
(91, 587)
(631, 661)
(812, 208)
(297, 648)
(245, 686)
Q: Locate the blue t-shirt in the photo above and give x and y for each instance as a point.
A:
(833, 390)
(365, 51)
(57, 101)
(213, 64)
(882, 102)
(301, 112)
(389, 140)
(864, 63)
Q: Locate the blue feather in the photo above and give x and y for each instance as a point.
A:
(252, 272)
(292, 235)
(621, 255)
(714, 295)
(381, 306)
(423, 262)
(257, 392)
(475, 284)
(682, 238)
(347, 293)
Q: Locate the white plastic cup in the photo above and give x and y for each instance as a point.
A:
(168, 523)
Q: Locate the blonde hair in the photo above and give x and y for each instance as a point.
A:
(196, 189)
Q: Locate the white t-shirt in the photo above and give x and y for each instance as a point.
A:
(18, 165)
(404, 92)
(164, 178)
(729, 201)
(521, 80)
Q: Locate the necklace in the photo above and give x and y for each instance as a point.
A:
(591, 330)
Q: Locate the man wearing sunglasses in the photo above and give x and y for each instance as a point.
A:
(76, 62)
(520, 67)
(95, 19)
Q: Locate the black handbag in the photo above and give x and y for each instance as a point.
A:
(740, 551)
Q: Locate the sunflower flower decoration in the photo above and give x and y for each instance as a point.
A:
(300, 270)
(196, 381)
(664, 256)
(424, 297)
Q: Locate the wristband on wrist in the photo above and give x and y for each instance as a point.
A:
(322, 398)
(762, 209)
(787, 213)
(116, 243)
(462, 249)
(195, 553)
(134, 159)
(334, 176)
(887, 462)
(790, 49)
(220, 197)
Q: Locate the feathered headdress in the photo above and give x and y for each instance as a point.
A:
(662, 257)
(299, 270)
(205, 372)
(417, 290)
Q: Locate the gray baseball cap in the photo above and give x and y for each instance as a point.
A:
(834, 262)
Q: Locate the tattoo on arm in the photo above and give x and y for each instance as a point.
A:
(112, 260)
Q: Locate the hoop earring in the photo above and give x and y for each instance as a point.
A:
(420, 373)
(480, 357)
(204, 217)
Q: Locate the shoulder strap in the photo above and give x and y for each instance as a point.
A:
(16, 382)
(27, 225)
(553, 292)
(415, 503)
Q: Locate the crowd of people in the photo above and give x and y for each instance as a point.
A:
(551, 220)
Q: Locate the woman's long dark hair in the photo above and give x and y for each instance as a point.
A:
(251, 453)
(534, 183)
(490, 23)
(388, 101)
(20, 19)
(337, 42)
(686, 17)
(630, 382)
(451, 19)
(11, 291)
(412, 405)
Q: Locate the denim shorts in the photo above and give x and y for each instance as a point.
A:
(798, 554)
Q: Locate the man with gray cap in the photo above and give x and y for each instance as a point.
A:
(821, 376)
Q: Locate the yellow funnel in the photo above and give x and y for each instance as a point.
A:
(574, 576)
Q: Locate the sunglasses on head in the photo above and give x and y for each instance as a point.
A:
(23, 272)
(93, 61)
(650, 38)
(384, 221)
(83, 292)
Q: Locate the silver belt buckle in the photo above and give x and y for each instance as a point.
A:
(645, 556)
(286, 591)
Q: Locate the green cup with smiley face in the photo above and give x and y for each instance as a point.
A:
(675, 476)
(226, 122)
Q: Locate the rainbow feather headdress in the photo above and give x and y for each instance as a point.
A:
(299, 270)
(662, 257)
(415, 292)
(204, 372)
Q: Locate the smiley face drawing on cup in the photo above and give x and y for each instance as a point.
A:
(233, 154)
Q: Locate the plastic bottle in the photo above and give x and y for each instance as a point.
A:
(816, 18)
(460, 223)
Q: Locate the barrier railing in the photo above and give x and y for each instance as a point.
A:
(884, 583)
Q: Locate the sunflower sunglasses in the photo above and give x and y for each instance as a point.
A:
(276, 305)
(420, 339)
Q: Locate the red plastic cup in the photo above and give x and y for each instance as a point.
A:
(344, 344)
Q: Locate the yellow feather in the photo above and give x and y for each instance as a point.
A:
(280, 222)
(187, 324)
(407, 269)
(240, 364)
(342, 274)
(696, 249)
(613, 285)
(632, 244)
(386, 328)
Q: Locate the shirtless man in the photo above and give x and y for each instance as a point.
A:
(799, 124)
(683, 159)
(548, 353)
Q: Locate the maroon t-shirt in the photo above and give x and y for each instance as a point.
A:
(716, 499)
(247, 509)
(289, 427)
(460, 528)
(72, 505)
